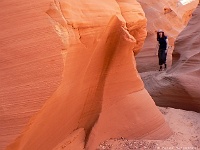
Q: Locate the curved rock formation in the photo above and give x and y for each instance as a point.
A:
(101, 88)
(179, 86)
(171, 17)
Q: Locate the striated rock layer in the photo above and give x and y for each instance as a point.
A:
(101, 95)
(170, 16)
(31, 64)
(179, 86)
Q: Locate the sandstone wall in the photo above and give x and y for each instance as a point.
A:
(170, 16)
(100, 88)
(179, 86)
(31, 64)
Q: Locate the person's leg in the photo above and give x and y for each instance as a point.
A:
(164, 60)
(160, 68)
(160, 59)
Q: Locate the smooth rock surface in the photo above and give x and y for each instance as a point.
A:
(178, 87)
(99, 84)
(31, 64)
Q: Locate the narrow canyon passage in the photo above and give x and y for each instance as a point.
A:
(69, 73)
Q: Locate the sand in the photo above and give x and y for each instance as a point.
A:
(186, 134)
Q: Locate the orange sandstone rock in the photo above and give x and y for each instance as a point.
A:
(186, 69)
(179, 86)
(74, 141)
(167, 10)
(172, 23)
(31, 64)
(101, 94)
(135, 25)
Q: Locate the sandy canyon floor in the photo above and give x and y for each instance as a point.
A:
(185, 126)
(186, 134)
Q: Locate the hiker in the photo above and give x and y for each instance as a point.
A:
(162, 50)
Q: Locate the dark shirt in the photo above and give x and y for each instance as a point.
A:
(163, 43)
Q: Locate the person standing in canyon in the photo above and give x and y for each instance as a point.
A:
(162, 50)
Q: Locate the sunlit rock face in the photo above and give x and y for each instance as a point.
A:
(31, 64)
(185, 2)
(179, 86)
(169, 15)
(101, 94)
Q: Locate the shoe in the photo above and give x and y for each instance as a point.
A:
(165, 66)
(160, 68)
